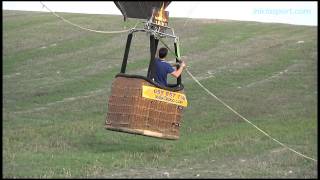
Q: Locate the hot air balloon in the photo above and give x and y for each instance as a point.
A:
(138, 104)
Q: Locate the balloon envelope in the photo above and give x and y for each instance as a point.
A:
(139, 9)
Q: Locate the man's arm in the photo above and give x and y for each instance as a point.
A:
(178, 72)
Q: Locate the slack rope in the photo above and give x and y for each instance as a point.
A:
(210, 93)
(190, 74)
(87, 29)
(234, 111)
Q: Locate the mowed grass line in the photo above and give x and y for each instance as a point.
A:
(57, 131)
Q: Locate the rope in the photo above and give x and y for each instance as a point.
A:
(225, 104)
(245, 118)
(87, 29)
(203, 87)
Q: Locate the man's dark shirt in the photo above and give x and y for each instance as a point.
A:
(162, 69)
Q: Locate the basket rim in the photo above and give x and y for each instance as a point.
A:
(172, 87)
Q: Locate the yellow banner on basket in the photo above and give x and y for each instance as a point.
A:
(164, 95)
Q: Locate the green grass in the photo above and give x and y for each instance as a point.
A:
(57, 80)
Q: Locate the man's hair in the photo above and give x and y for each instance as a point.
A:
(163, 52)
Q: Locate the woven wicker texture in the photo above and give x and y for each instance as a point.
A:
(129, 112)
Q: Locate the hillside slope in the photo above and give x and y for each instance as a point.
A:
(57, 79)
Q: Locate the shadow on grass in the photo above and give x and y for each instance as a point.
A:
(119, 141)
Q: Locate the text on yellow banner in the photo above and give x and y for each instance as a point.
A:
(164, 95)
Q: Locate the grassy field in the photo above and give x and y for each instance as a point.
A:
(57, 79)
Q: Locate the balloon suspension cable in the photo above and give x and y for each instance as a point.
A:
(160, 35)
(87, 29)
(234, 111)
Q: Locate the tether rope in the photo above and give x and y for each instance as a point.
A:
(209, 92)
(225, 104)
(194, 78)
(87, 29)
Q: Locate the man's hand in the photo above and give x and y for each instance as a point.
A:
(178, 72)
(182, 64)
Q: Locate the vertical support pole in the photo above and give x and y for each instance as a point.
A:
(176, 50)
(156, 45)
(126, 54)
(154, 69)
(153, 48)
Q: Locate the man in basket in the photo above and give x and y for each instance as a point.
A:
(163, 68)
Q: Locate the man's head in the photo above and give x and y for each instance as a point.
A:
(163, 52)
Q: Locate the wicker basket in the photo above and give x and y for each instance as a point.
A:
(129, 112)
